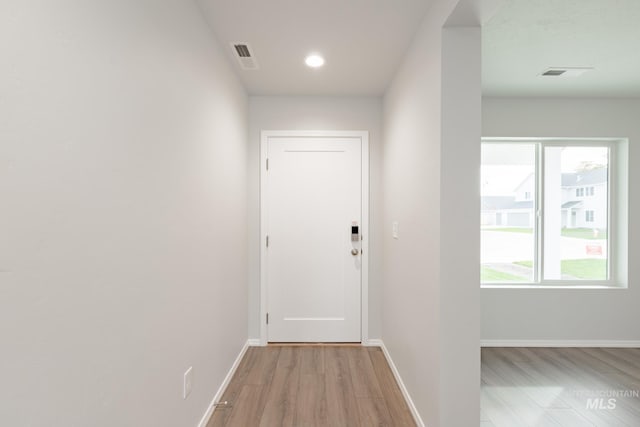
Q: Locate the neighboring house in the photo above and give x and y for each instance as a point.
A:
(583, 195)
(584, 199)
(505, 211)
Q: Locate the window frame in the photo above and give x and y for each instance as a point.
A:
(615, 275)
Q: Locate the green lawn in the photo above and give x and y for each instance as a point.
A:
(525, 263)
(491, 275)
(583, 269)
(584, 233)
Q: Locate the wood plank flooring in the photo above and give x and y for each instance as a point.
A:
(560, 387)
(315, 385)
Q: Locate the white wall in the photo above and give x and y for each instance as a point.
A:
(317, 113)
(430, 303)
(574, 314)
(122, 169)
(411, 170)
(459, 233)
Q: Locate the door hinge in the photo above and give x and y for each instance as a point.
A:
(267, 241)
(267, 164)
(267, 318)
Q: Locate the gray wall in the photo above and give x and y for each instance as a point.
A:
(431, 176)
(317, 113)
(568, 314)
(122, 169)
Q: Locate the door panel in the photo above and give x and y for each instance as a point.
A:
(313, 279)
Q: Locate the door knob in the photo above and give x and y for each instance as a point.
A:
(354, 252)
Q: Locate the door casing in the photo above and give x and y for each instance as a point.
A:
(364, 294)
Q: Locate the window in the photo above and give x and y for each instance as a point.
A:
(555, 235)
(589, 216)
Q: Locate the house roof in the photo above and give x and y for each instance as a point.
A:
(493, 203)
(589, 177)
(571, 204)
(522, 205)
(524, 181)
(490, 203)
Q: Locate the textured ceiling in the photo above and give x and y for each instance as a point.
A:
(525, 37)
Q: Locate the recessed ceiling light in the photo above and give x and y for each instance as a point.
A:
(314, 61)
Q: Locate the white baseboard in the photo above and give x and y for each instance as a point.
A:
(373, 343)
(223, 386)
(396, 374)
(561, 343)
(253, 342)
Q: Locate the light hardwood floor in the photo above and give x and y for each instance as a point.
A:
(315, 385)
(560, 387)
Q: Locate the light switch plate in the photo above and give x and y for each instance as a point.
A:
(395, 229)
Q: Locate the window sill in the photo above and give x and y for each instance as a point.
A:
(552, 286)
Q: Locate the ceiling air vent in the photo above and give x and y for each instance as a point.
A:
(245, 56)
(565, 71)
(554, 72)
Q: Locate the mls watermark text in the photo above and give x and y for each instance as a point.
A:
(605, 399)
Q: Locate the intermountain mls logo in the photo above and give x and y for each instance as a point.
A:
(598, 400)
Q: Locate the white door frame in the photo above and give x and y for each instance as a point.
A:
(364, 291)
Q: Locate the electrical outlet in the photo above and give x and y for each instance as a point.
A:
(188, 382)
(394, 231)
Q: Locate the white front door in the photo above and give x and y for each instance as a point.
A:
(312, 194)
